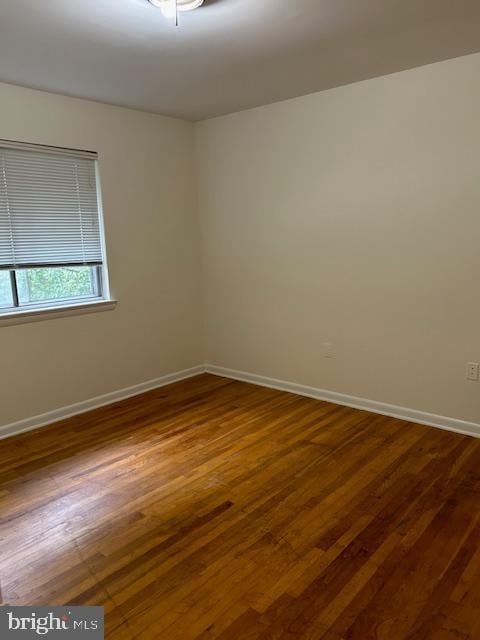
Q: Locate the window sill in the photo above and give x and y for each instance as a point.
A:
(48, 313)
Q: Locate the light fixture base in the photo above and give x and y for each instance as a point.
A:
(182, 5)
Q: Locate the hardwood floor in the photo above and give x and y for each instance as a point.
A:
(217, 509)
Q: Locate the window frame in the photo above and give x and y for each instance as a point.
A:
(34, 311)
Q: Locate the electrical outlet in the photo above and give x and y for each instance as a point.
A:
(328, 350)
(472, 370)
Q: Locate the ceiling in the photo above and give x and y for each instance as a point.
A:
(226, 56)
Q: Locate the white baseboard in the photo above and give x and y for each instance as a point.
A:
(411, 415)
(403, 413)
(45, 419)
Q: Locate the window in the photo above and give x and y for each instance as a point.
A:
(51, 235)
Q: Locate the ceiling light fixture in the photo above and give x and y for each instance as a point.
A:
(171, 8)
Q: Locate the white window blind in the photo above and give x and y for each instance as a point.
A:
(48, 207)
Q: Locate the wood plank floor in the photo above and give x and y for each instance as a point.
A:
(217, 509)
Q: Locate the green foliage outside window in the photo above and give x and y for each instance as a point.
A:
(48, 283)
(35, 285)
(5, 291)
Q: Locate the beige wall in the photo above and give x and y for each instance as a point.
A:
(350, 216)
(146, 165)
